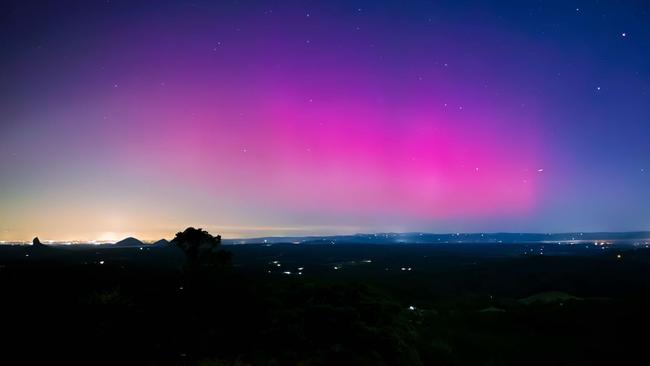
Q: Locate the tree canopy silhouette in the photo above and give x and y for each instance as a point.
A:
(201, 248)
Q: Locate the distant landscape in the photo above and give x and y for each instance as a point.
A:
(479, 299)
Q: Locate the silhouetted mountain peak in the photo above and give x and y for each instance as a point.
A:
(129, 242)
(161, 242)
(36, 243)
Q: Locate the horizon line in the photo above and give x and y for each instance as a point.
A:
(109, 241)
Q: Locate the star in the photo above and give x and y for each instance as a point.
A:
(623, 34)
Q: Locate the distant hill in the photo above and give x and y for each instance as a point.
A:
(129, 242)
(161, 243)
(417, 237)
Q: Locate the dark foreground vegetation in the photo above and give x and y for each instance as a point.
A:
(191, 302)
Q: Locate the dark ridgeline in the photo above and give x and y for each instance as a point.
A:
(423, 237)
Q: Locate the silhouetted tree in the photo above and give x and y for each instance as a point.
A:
(201, 248)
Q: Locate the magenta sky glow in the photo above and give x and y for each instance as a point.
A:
(255, 120)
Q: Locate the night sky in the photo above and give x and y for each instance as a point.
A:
(253, 118)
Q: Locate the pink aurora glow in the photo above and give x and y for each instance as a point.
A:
(346, 157)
